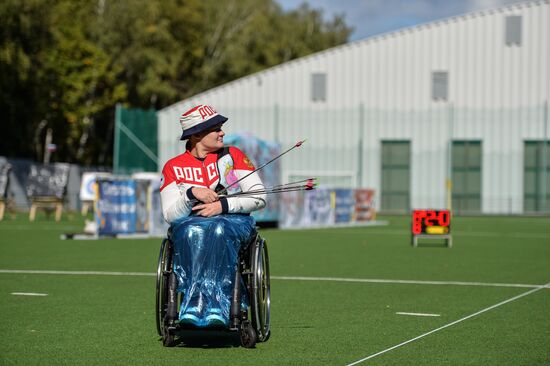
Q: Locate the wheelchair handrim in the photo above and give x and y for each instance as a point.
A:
(161, 288)
(262, 294)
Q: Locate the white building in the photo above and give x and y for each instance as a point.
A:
(461, 100)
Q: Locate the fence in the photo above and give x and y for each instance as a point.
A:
(135, 146)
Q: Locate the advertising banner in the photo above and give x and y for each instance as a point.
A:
(292, 209)
(142, 205)
(306, 209)
(325, 207)
(149, 210)
(157, 225)
(344, 206)
(115, 210)
(364, 205)
(319, 207)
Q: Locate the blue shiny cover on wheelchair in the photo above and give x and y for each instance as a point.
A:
(206, 257)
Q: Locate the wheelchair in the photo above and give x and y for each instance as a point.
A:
(252, 323)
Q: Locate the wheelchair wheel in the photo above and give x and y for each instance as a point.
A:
(261, 294)
(162, 286)
(248, 335)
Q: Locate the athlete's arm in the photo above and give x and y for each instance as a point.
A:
(253, 202)
(176, 201)
(249, 203)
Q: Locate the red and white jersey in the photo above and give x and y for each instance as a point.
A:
(185, 171)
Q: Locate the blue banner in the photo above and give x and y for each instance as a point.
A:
(344, 205)
(319, 208)
(115, 211)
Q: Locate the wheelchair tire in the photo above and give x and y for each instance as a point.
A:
(162, 286)
(248, 335)
(261, 293)
(168, 339)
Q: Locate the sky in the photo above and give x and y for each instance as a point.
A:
(371, 17)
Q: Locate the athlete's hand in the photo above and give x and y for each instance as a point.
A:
(204, 194)
(208, 209)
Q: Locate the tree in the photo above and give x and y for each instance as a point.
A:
(248, 36)
(81, 83)
(64, 64)
(140, 36)
(24, 33)
(55, 78)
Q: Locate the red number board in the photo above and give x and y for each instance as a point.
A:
(431, 222)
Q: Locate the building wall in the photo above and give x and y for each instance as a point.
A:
(380, 88)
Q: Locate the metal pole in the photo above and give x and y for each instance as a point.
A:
(449, 183)
(360, 146)
(47, 142)
(116, 149)
(544, 173)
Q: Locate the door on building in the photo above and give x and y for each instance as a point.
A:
(536, 177)
(395, 192)
(466, 176)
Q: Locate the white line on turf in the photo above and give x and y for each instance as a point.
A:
(287, 278)
(28, 294)
(416, 314)
(26, 228)
(83, 273)
(451, 324)
(413, 282)
(455, 233)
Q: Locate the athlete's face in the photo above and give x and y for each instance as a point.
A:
(212, 139)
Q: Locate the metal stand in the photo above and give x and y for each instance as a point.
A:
(46, 203)
(448, 239)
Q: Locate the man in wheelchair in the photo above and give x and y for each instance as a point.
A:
(213, 267)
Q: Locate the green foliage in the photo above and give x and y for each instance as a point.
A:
(66, 63)
(80, 83)
(24, 31)
(246, 36)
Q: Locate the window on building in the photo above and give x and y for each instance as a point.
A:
(513, 30)
(440, 85)
(536, 176)
(395, 192)
(319, 87)
(466, 176)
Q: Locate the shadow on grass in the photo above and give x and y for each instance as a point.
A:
(207, 339)
(433, 245)
(297, 326)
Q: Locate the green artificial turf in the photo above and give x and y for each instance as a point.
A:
(110, 320)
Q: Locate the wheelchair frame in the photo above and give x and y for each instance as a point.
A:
(254, 270)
